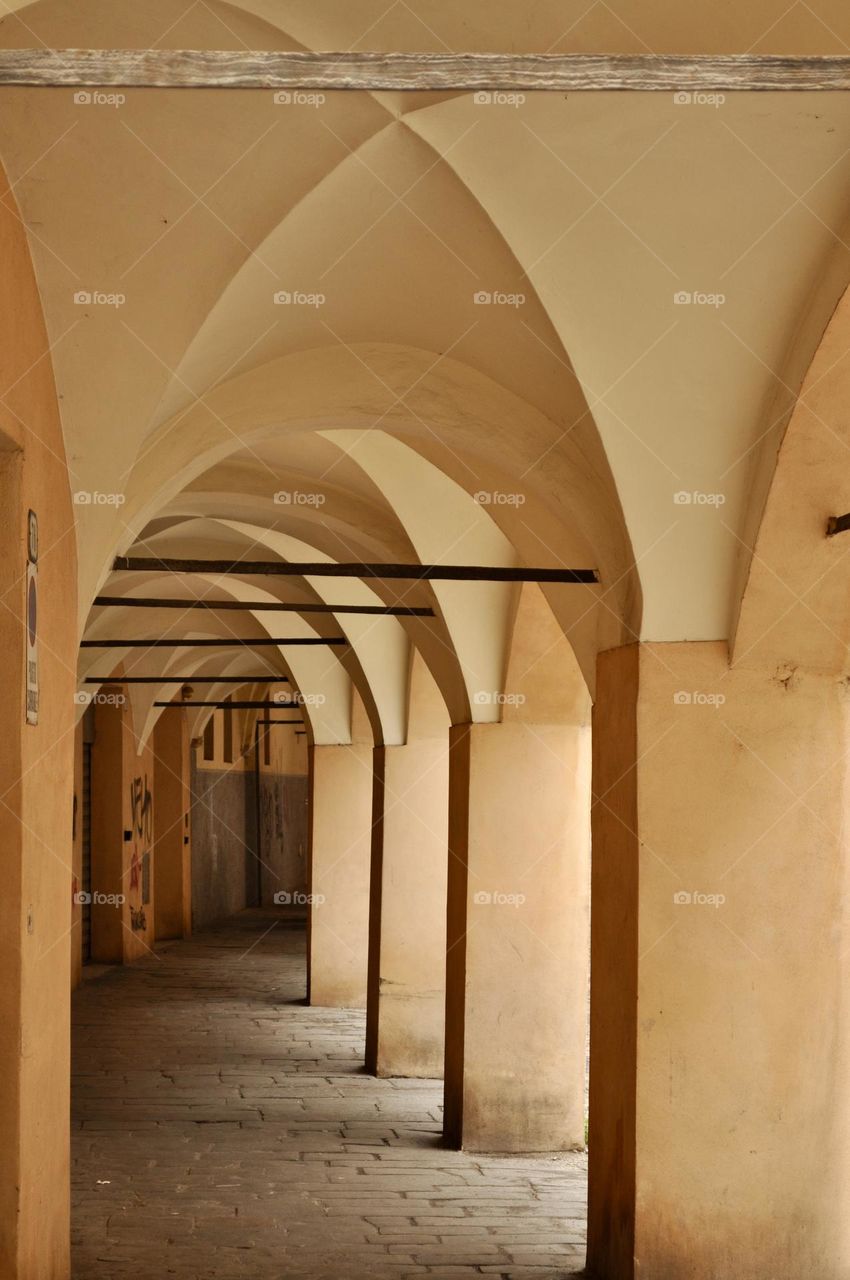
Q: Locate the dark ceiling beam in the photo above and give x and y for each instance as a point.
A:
(275, 606)
(209, 644)
(837, 524)
(464, 72)
(239, 706)
(186, 680)
(332, 569)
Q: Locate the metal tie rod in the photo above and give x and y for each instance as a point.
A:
(275, 606)
(238, 706)
(837, 524)
(331, 569)
(208, 644)
(186, 680)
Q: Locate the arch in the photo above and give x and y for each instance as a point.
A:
(795, 606)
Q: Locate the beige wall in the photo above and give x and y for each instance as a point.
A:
(36, 784)
(722, 870)
(287, 749)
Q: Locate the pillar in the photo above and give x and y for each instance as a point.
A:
(36, 783)
(122, 821)
(172, 837)
(77, 860)
(516, 992)
(107, 829)
(340, 805)
(407, 921)
(720, 1071)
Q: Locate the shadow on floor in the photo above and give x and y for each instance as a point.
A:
(222, 1129)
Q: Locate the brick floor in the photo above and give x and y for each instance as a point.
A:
(224, 1130)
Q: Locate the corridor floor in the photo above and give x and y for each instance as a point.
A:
(222, 1130)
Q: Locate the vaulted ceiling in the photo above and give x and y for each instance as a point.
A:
(249, 298)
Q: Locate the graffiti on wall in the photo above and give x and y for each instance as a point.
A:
(141, 808)
(141, 823)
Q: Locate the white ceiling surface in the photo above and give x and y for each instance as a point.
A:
(200, 206)
(479, 615)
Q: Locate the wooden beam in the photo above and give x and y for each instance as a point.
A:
(276, 606)
(186, 680)
(332, 569)
(463, 72)
(206, 644)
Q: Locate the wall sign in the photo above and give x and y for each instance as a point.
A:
(32, 618)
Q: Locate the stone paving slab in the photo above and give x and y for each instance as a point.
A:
(224, 1130)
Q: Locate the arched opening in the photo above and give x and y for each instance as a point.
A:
(415, 475)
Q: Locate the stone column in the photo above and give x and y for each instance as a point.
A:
(340, 804)
(122, 818)
(407, 977)
(77, 860)
(516, 996)
(172, 838)
(108, 806)
(720, 1071)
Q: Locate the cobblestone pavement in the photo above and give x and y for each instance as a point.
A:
(224, 1130)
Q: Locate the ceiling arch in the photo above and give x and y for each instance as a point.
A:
(630, 430)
